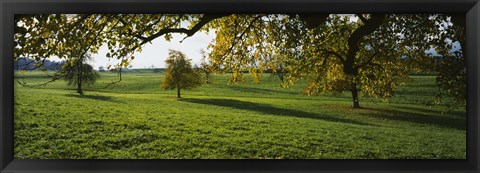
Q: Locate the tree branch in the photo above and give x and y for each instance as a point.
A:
(82, 52)
(236, 38)
(189, 32)
(369, 27)
(313, 20)
(362, 18)
(334, 53)
(139, 35)
(368, 62)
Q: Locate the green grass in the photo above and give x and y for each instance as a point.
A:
(135, 119)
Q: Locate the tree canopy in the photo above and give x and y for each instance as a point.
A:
(368, 56)
(372, 54)
(179, 73)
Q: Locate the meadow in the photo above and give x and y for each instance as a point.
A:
(136, 119)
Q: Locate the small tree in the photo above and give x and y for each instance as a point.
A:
(277, 65)
(205, 67)
(101, 69)
(78, 72)
(179, 73)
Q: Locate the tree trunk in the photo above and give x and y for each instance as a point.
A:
(178, 93)
(355, 95)
(370, 26)
(459, 20)
(349, 66)
(79, 80)
(207, 77)
(79, 85)
(280, 75)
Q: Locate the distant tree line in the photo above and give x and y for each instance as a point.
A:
(31, 64)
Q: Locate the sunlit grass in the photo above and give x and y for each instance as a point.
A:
(135, 119)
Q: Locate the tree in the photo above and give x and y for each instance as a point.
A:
(101, 69)
(179, 73)
(78, 72)
(205, 67)
(328, 54)
(336, 54)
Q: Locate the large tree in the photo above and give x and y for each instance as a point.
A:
(371, 54)
(334, 52)
(179, 73)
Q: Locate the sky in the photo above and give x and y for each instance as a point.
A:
(156, 52)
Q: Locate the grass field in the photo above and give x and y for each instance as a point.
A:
(135, 119)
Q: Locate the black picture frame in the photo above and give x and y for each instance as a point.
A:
(8, 8)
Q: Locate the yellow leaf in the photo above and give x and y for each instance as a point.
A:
(45, 34)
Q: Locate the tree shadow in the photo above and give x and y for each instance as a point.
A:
(260, 90)
(268, 109)
(93, 97)
(420, 118)
(241, 88)
(425, 110)
(415, 93)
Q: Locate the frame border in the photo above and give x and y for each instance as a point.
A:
(8, 8)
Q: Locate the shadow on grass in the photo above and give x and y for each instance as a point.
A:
(268, 109)
(426, 110)
(416, 93)
(260, 90)
(93, 97)
(241, 88)
(426, 117)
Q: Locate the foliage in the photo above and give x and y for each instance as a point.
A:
(179, 73)
(44, 36)
(452, 81)
(445, 35)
